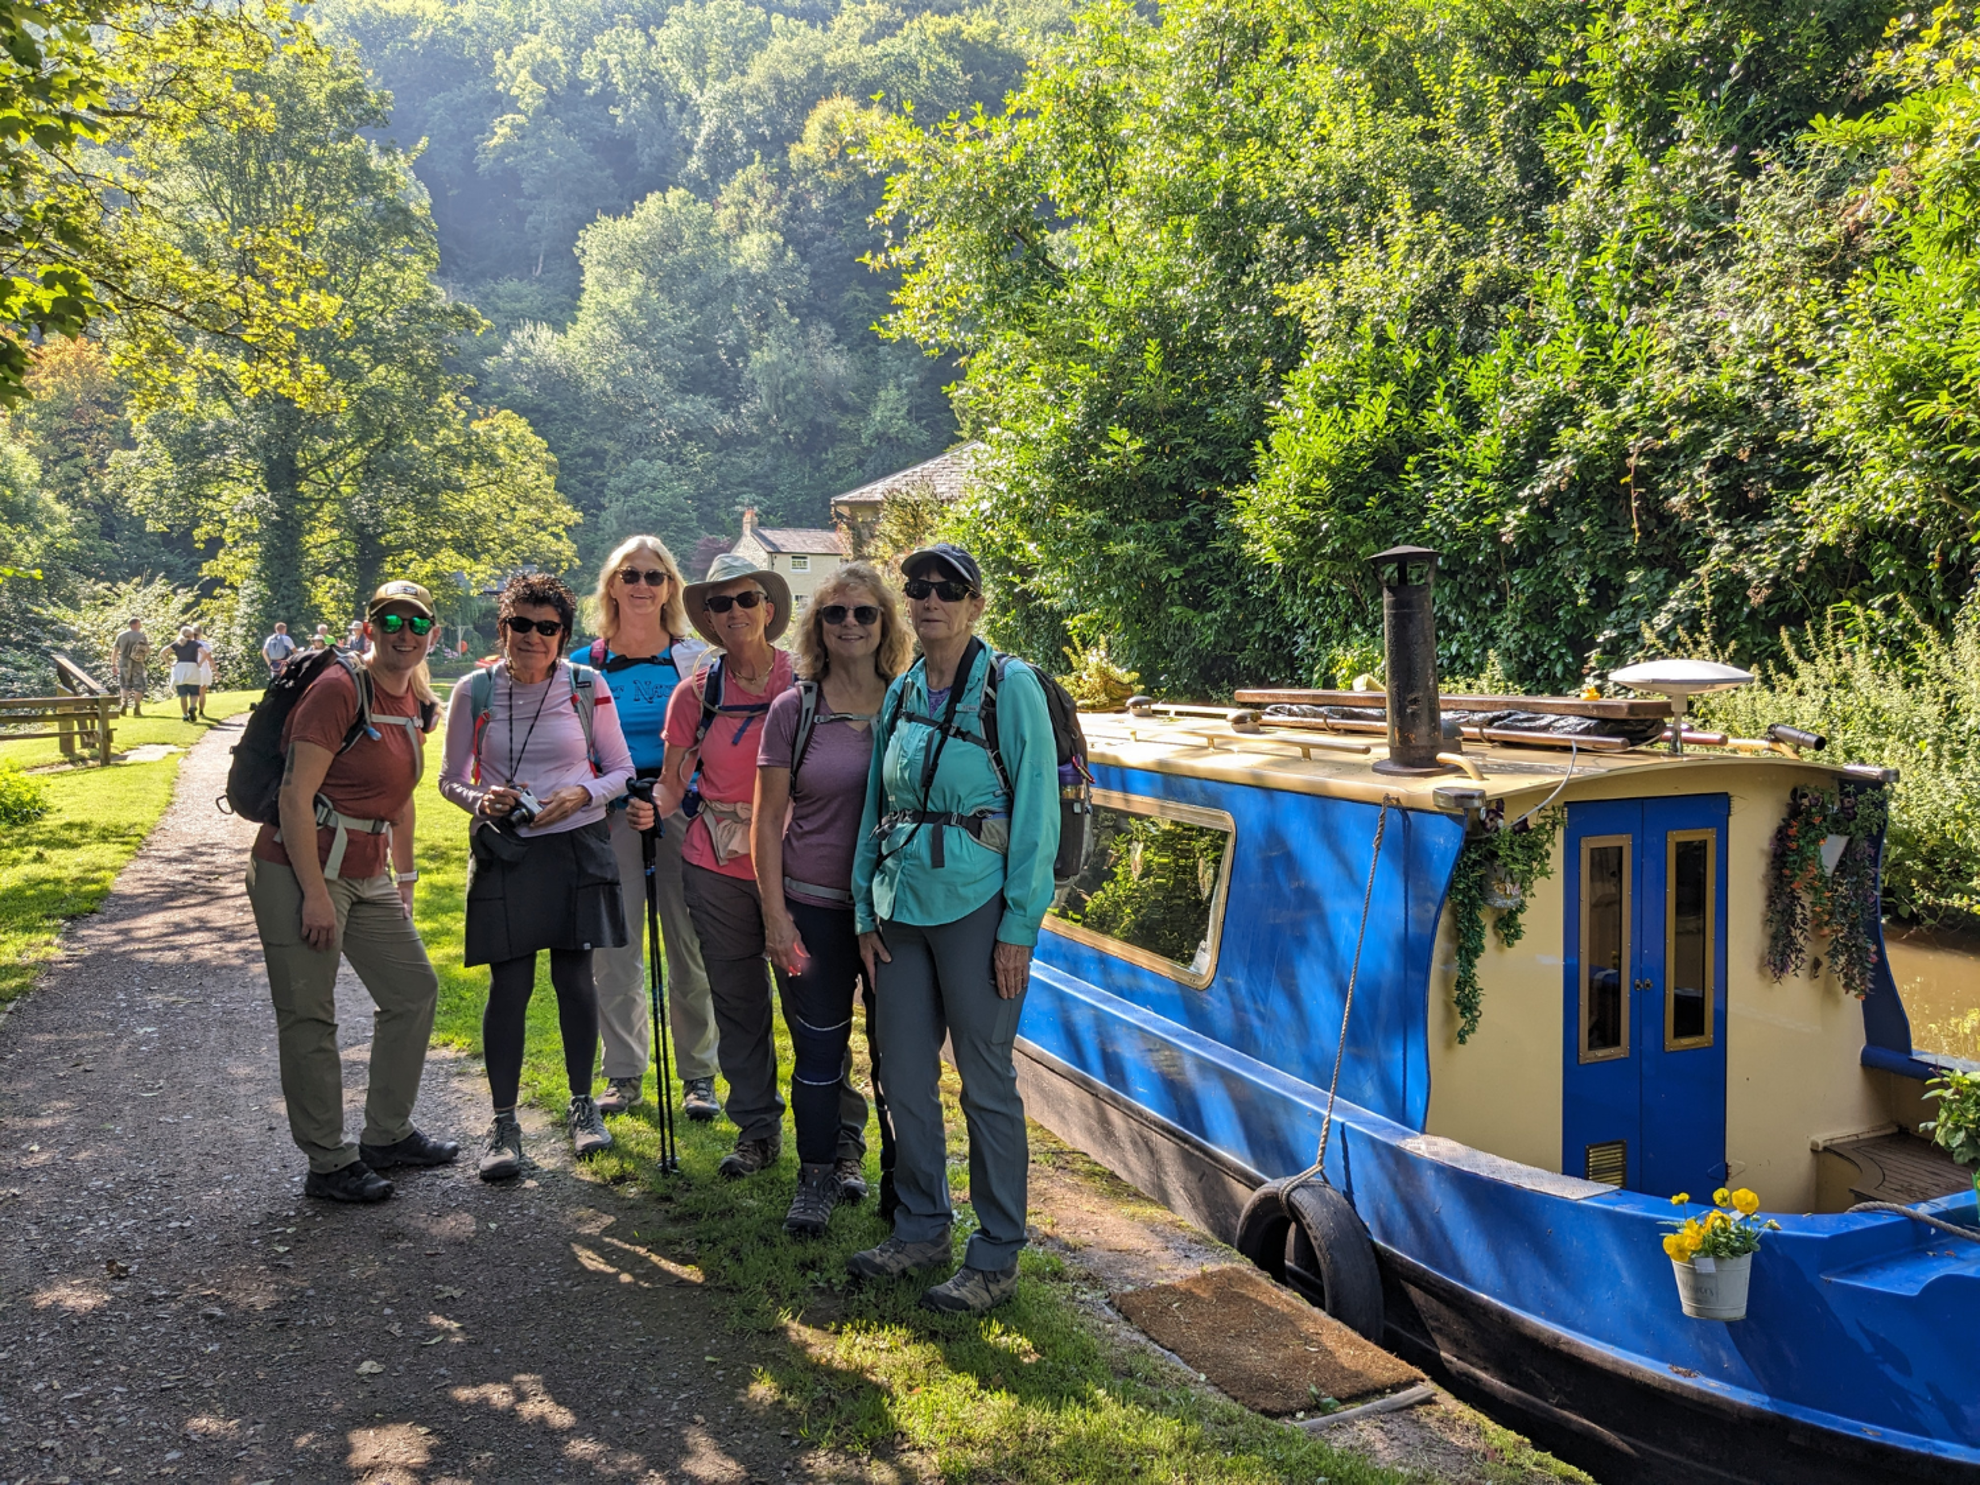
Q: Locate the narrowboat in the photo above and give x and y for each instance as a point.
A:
(1267, 939)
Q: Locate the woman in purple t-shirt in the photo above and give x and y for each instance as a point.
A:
(810, 789)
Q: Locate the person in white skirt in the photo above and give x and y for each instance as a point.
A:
(205, 664)
(185, 671)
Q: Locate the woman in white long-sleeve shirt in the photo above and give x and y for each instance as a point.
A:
(537, 780)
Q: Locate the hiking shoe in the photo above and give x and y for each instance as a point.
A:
(818, 1192)
(698, 1099)
(851, 1175)
(894, 1258)
(620, 1094)
(971, 1291)
(588, 1132)
(354, 1182)
(504, 1158)
(414, 1149)
(749, 1157)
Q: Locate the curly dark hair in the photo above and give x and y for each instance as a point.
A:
(538, 590)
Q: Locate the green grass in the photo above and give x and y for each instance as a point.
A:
(1036, 1392)
(159, 724)
(62, 865)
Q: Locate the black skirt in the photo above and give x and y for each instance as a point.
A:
(556, 891)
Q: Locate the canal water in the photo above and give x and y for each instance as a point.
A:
(1938, 974)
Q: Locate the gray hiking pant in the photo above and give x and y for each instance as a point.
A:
(940, 982)
(384, 948)
(624, 1012)
(728, 919)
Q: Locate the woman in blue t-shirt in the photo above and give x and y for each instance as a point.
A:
(645, 646)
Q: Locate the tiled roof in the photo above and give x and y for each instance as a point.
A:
(945, 473)
(799, 540)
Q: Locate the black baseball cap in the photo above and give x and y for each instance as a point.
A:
(959, 564)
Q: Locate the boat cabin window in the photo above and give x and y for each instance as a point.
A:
(1605, 947)
(1688, 939)
(1154, 886)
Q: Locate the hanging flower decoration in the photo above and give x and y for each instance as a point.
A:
(1807, 893)
(1497, 869)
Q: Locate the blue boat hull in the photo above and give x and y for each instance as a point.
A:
(1547, 1301)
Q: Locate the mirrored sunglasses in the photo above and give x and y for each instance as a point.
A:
(863, 613)
(393, 623)
(721, 603)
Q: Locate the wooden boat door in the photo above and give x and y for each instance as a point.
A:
(1644, 1078)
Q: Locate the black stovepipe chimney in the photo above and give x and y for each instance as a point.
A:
(1409, 636)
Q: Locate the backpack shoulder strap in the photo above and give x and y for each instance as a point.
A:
(481, 697)
(711, 701)
(807, 723)
(596, 654)
(986, 715)
(360, 683)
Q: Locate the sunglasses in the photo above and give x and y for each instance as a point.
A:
(835, 613)
(721, 603)
(653, 577)
(393, 623)
(517, 624)
(948, 590)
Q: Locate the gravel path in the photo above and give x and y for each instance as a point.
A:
(170, 1305)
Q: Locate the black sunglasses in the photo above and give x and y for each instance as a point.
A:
(948, 590)
(520, 625)
(393, 623)
(653, 577)
(721, 603)
(835, 613)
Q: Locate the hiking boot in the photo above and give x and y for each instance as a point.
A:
(698, 1099)
(851, 1176)
(504, 1158)
(414, 1149)
(971, 1291)
(588, 1132)
(354, 1182)
(620, 1095)
(817, 1194)
(894, 1258)
(749, 1157)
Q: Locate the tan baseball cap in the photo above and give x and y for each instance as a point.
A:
(400, 591)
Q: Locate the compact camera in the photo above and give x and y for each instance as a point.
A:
(528, 807)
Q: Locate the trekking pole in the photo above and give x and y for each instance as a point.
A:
(649, 849)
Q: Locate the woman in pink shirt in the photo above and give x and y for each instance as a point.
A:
(715, 722)
(535, 753)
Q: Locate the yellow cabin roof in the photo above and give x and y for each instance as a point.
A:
(1204, 744)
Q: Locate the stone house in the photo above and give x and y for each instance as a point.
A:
(804, 556)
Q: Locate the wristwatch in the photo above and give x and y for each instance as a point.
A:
(402, 878)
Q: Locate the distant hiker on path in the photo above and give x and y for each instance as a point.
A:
(276, 650)
(132, 650)
(205, 664)
(353, 894)
(185, 672)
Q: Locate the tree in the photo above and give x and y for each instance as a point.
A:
(371, 457)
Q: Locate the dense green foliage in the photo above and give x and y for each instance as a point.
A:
(1900, 697)
(1658, 319)
(660, 205)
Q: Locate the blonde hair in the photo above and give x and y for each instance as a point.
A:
(673, 613)
(896, 650)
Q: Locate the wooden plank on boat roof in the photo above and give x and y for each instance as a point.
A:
(1567, 706)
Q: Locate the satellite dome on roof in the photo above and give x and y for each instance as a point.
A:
(1680, 680)
(1680, 677)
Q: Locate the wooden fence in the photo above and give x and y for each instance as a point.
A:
(81, 724)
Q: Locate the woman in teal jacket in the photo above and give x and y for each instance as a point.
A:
(952, 878)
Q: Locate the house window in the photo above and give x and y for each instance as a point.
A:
(1154, 887)
(800, 564)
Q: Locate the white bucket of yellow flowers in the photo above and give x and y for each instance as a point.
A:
(1712, 1254)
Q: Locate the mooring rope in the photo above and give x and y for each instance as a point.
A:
(1347, 1009)
(1897, 1211)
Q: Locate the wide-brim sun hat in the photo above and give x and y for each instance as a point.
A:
(725, 569)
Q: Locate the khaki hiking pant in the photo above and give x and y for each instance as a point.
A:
(385, 950)
(624, 1012)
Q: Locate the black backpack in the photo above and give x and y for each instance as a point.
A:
(254, 778)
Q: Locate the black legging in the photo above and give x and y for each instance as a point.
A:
(818, 1008)
(509, 986)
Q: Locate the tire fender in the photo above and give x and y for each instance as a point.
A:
(1315, 1242)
